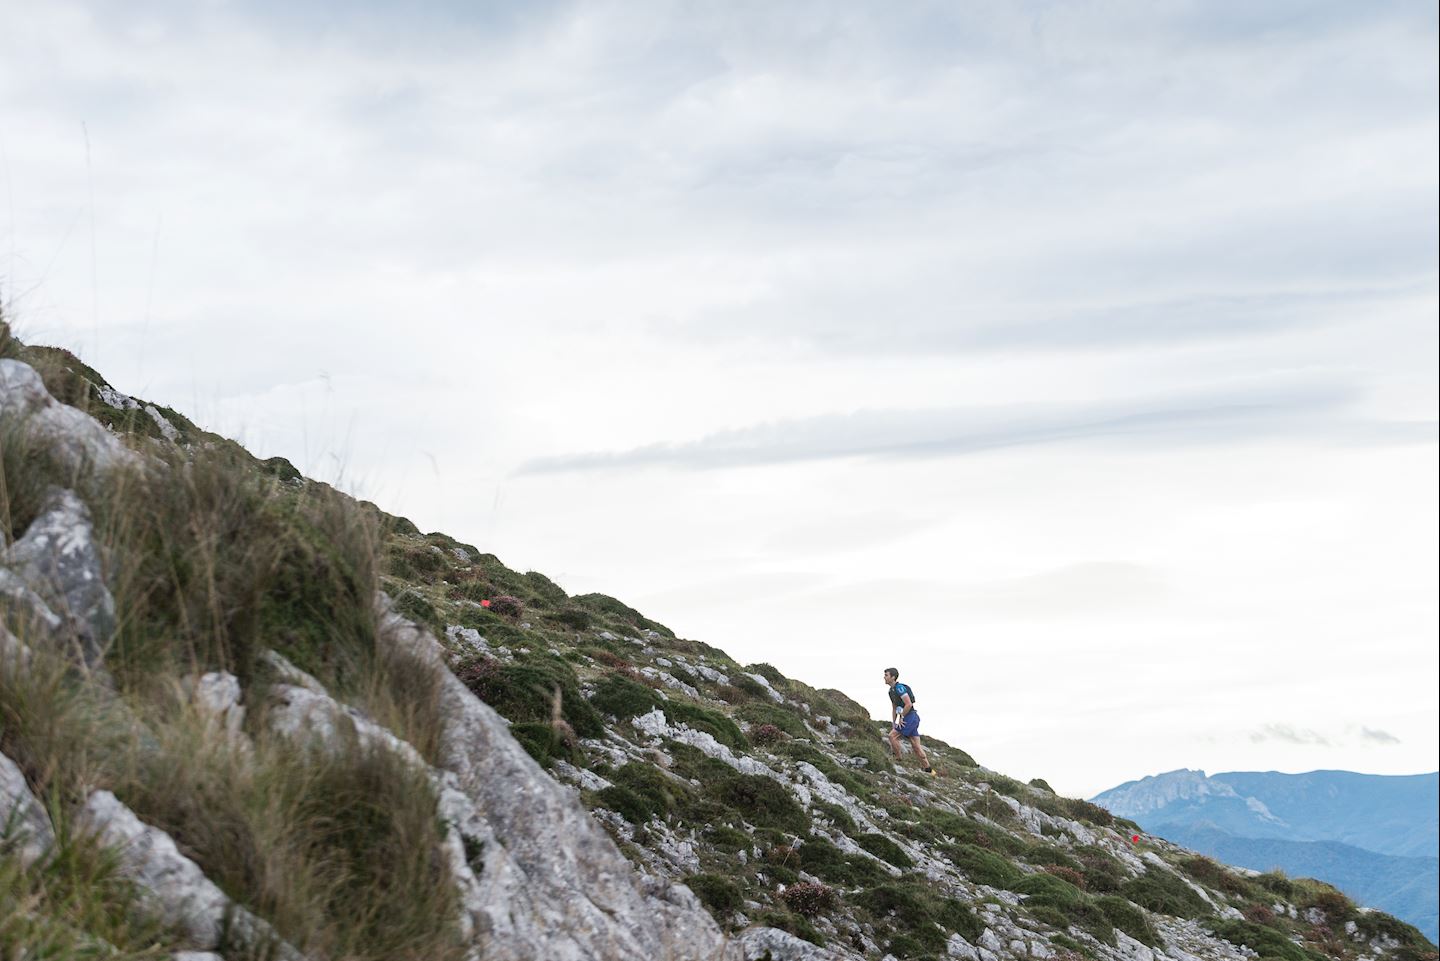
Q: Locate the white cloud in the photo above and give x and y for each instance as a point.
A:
(425, 247)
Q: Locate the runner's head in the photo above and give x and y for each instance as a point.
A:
(891, 675)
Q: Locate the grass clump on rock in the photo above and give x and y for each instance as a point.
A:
(623, 697)
(759, 713)
(717, 725)
(885, 849)
(1163, 892)
(761, 801)
(915, 917)
(718, 893)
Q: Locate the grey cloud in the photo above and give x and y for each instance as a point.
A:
(1378, 736)
(1160, 421)
(1289, 734)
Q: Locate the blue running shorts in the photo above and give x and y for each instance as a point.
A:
(910, 724)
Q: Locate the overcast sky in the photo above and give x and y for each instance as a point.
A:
(1079, 359)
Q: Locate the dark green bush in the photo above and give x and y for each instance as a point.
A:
(750, 687)
(1277, 883)
(916, 916)
(1128, 918)
(982, 866)
(726, 838)
(761, 801)
(760, 712)
(658, 793)
(1161, 891)
(572, 617)
(1042, 784)
(794, 924)
(1080, 810)
(526, 691)
(885, 849)
(1267, 942)
(544, 588)
(1103, 872)
(623, 697)
(720, 894)
(543, 742)
(1048, 896)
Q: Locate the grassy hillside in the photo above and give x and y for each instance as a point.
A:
(775, 802)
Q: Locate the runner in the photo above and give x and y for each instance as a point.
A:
(905, 721)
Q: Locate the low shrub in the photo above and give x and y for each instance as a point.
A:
(885, 849)
(1081, 810)
(808, 900)
(767, 671)
(527, 691)
(507, 605)
(916, 917)
(877, 756)
(759, 712)
(794, 924)
(572, 617)
(1210, 872)
(1103, 872)
(837, 815)
(717, 725)
(766, 734)
(1267, 942)
(1128, 918)
(623, 698)
(761, 801)
(1068, 875)
(1161, 891)
(1049, 897)
(1277, 883)
(983, 867)
(546, 743)
(1042, 784)
(750, 687)
(720, 894)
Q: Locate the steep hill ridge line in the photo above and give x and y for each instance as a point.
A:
(252, 703)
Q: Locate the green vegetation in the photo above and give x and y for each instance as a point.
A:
(1267, 942)
(761, 712)
(720, 894)
(1163, 892)
(983, 867)
(761, 801)
(885, 849)
(1128, 918)
(916, 917)
(623, 697)
(717, 725)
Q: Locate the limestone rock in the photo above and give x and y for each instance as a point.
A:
(171, 883)
(24, 826)
(76, 439)
(772, 944)
(59, 559)
(555, 885)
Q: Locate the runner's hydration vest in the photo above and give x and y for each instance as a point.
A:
(899, 691)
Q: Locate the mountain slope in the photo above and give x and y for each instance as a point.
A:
(1336, 825)
(352, 739)
(1404, 887)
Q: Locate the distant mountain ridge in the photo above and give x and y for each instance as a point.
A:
(1386, 814)
(1373, 836)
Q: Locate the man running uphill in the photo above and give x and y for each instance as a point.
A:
(906, 722)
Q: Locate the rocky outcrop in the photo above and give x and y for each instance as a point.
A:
(59, 561)
(24, 826)
(75, 439)
(171, 884)
(555, 884)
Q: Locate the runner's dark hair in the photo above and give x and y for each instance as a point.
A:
(891, 670)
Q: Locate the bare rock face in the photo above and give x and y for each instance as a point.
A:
(59, 560)
(24, 826)
(772, 944)
(75, 439)
(555, 886)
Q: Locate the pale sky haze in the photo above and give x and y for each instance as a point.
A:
(1079, 359)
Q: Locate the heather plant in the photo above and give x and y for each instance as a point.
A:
(766, 734)
(507, 605)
